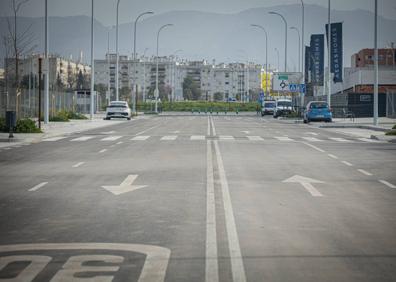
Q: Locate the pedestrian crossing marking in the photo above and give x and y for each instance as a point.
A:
(255, 138)
(312, 139)
(197, 137)
(52, 139)
(283, 138)
(83, 138)
(226, 137)
(111, 138)
(140, 138)
(338, 139)
(169, 138)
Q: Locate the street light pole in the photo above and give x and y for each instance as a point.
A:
(302, 50)
(144, 74)
(299, 46)
(116, 79)
(329, 55)
(92, 62)
(266, 56)
(156, 94)
(284, 20)
(135, 99)
(46, 72)
(375, 120)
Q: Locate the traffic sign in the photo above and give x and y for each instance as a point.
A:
(286, 81)
(300, 88)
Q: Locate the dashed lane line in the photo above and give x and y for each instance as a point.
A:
(283, 138)
(82, 138)
(364, 172)
(78, 164)
(169, 138)
(52, 139)
(197, 137)
(314, 147)
(390, 185)
(35, 188)
(255, 138)
(111, 138)
(102, 151)
(140, 138)
(312, 139)
(332, 156)
(347, 163)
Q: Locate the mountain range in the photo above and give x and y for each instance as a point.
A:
(211, 36)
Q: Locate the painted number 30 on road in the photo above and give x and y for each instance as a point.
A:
(154, 267)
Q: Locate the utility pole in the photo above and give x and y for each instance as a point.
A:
(375, 120)
(92, 63)
(116, 78)
(329, 55)
(46, 72)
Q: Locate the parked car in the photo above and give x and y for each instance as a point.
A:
(268, 108)
(283, 107)
(317, 111)
(118, 109)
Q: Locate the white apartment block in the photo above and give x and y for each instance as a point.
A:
(231, 80)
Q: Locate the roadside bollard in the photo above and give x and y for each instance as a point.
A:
(11, 122)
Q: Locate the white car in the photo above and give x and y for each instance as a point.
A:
(283, 107)
(118, 109)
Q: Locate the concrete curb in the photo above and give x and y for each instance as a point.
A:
(369, 127)
(391, 139)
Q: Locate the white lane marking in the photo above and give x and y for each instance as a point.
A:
(7, 148)
(246, 132)
(125, 186)
(226, 137)
(140, 138)
(208, 132)
(52, 139)
(213, 126)
(197, 137)
(332, 156)
(390, 185)
(175, 132)
(102, 151)
(237, 268)
(111, 138)
(312, 139)
(306, 183)
(144, 131)
(119, 143)
(169, 138)
(255, 138)
(211, 257)
(347, 163)
(35, 188)
(314, 147)
(338, 139)
(153, 270)
(283, 138)
(78, 164)
(368, 140)
(108, 132)
(312, 133)
(82, 138)
(365, 172)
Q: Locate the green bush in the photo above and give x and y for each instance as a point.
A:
(394, 127)
(392, 132)
(74, 115)
(61, 116)
(26, 126)
(201, 106)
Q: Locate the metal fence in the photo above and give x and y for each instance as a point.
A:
(26, 102)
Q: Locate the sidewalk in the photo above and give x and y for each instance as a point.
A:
(362, 127)
(54, 129)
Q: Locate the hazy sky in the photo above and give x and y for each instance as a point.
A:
(129, 9)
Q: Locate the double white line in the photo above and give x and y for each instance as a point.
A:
(237, 267)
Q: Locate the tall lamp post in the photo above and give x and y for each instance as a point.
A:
(144, 74)
(46, 72)
(135, 99)
(284, 20)
(299, 46)
(116, 78)
(329, 55)
(92, 63)
(156, 94)
(302, 49)
(375, 119)
(266, 56)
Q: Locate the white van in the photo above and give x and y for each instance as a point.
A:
(283, 107)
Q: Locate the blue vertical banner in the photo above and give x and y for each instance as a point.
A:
(317, 59)
(336, 53)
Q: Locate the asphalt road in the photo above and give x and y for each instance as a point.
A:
(198, 198)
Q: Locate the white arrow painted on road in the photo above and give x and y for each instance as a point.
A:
(125, 186)
(306, 183)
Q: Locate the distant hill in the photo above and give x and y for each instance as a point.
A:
(209, 35)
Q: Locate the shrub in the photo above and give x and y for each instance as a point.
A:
(394, 127)
(74, 115)
(392, 132)
(2, 125)
(26, 126)
(61, 116)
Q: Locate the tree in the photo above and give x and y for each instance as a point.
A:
(17, 44)
(191, 90)
(218, 96)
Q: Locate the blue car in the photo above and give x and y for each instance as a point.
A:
(317, 111)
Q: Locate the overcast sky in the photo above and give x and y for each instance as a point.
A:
(129, 9)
